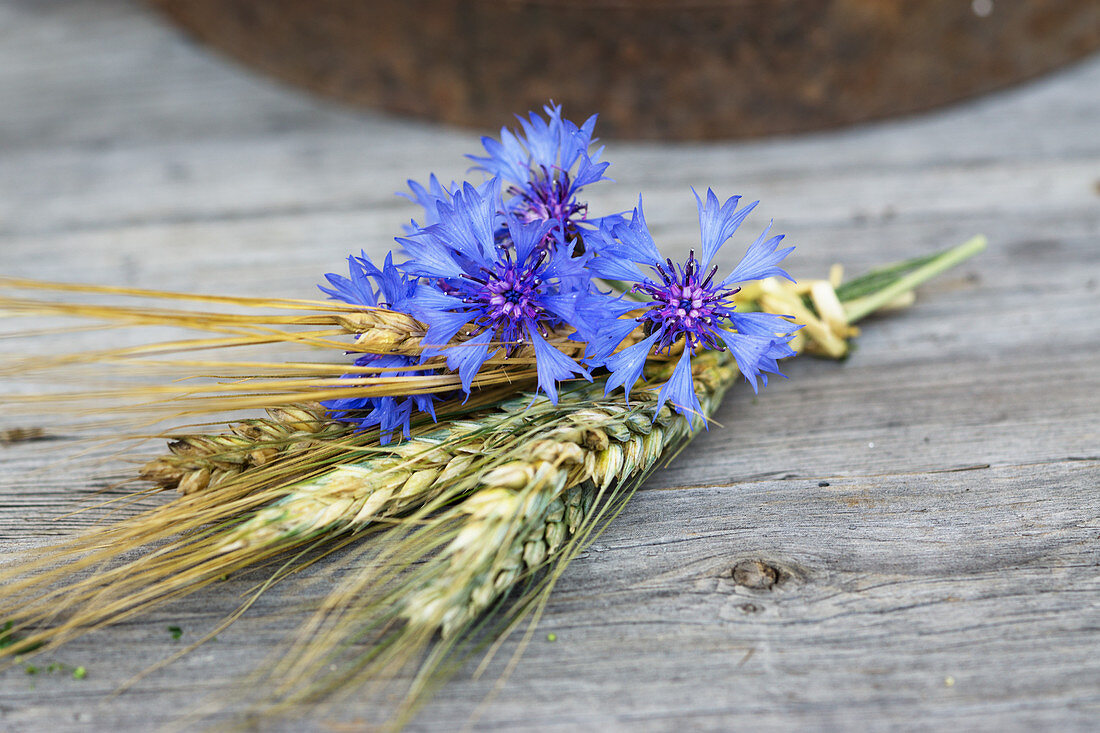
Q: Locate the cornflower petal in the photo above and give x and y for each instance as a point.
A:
(772, 326)
(761, 261)
(394, 287)
(572, 272)
(507, 157)
(562, 305)
(680, 390)
(576, 141)
(627, 365)
(602, 343)
(747, 350)
(427, 258)
(635, 241)
(427, 198)
(426, 403)
(596, 318)
(346, 290)
(527, 237)
(769, 363)
(718, 223)
(466, 358)
(553, 366)
(586, 129)
(358, 289)
(589, 172)
(763, 324)
(468, 223)
(614, 268)
(427, 299)
(443, 326)
(543, 138)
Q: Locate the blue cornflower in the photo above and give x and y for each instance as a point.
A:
(498, 298)
(687, 304)
(385, 287)
(545, 166)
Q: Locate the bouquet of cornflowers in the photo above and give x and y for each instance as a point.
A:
(510, 384)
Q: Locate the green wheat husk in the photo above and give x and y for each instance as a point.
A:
(352, 495)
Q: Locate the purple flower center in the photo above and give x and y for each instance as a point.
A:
(508, 299)
(686, 305)
(550, 196)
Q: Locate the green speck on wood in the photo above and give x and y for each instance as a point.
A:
(551, 637)
(6, 637)
(175, 631)
(80, 673)
(9, 638)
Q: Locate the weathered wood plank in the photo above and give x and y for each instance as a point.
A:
(945, 577)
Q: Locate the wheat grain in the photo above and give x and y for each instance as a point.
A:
(356, 494)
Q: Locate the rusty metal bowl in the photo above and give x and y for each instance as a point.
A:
(652, 68)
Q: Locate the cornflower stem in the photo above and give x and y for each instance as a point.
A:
(862, 307)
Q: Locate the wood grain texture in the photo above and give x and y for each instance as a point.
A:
(948, 574)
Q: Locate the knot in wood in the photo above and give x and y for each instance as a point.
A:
(756, 574)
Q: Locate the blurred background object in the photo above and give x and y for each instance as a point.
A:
(652, 68)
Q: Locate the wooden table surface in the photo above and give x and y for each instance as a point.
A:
(948, 574)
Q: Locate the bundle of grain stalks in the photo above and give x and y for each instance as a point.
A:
(511, 384)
